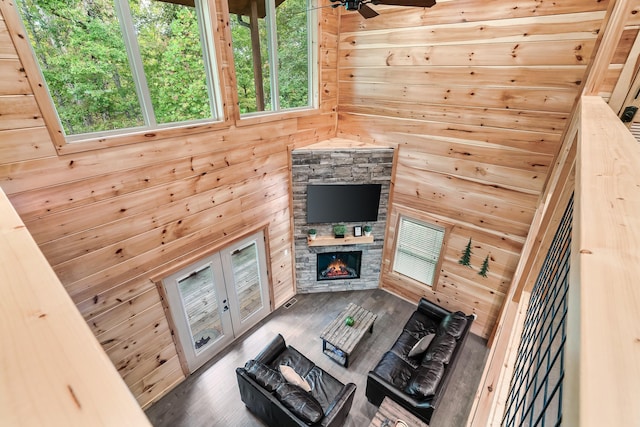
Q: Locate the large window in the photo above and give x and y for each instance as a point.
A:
(272, 54)
(115, 64)
(418, 250)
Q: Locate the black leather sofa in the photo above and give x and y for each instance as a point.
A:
(418, 382)
(267, 394)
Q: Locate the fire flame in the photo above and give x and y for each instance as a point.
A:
(337, 268)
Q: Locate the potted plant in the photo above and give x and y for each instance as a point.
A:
(312, 234)
(339, 230)
(367, 230)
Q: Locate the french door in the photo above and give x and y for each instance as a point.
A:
(218, 298)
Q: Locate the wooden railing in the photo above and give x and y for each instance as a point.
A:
(602, 383)
(53, 371)
(602, 351)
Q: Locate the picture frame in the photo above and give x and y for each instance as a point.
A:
(357, 231)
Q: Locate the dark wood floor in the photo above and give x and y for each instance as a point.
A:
(210, 396)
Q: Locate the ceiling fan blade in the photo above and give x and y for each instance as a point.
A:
(415, 3)
(367, 12)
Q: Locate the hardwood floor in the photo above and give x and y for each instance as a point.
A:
(210, 396)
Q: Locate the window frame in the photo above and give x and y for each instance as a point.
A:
(430, 222)
(313, 68)
(87, 142)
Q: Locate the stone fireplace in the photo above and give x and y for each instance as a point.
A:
(339, 162)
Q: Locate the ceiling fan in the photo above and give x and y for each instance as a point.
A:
(362, 6)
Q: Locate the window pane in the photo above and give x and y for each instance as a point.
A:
(122, 64)
(256, 51)
(80, 49)
(418, 250)
(293, 53)
(251, 44)
(246, 278)
(172, 55)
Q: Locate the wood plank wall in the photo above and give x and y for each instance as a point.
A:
(109, 220)
(476, 96)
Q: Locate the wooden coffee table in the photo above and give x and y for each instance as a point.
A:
(339, 340)
(390, 412)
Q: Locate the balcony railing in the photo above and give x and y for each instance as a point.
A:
(598, 382)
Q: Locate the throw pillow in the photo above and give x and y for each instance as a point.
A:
(292, 377)
(302, 404)
(421, 345)
(268, 378)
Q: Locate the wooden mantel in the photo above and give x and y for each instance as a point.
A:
(346, 240)
(53, 371)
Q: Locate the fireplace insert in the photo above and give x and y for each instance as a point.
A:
(338, 265)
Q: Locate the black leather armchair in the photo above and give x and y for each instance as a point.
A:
(279, 404)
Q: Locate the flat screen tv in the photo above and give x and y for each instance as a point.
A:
(332, 203)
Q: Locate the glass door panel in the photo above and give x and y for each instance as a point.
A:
(197, 300)
(247, 283)
(201, 306)
(246, 275)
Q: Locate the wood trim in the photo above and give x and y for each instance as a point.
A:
(137, 137)
(292, 250)
(20, 40)
(629, 73)
(617, 15)
(267, 254)
(172, 327)
(267, 117)
(501, 386)
(224, 51)
(346, 240)
(545, 238)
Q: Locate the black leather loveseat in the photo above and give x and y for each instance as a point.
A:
(269, 396)
(417, 382)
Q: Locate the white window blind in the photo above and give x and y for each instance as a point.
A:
(418, 250)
